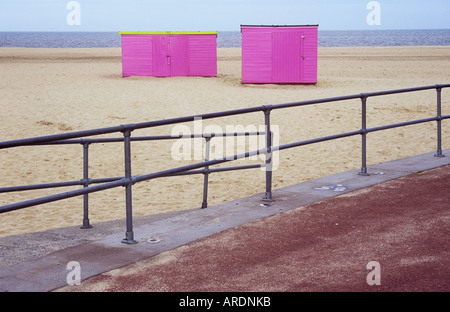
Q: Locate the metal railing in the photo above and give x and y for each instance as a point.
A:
(128, 180)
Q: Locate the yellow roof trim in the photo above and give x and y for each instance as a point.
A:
(168, 32)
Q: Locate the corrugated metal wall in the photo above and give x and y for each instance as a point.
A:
(310, 52)
(279, 54)
(137, 55)
(256, 55)
(203, 55)
(169, 55)
(160, 56)
(179, 55)
(287, 51)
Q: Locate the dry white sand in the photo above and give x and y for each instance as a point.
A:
(49, 91)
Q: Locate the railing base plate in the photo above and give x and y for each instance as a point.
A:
(129, 241)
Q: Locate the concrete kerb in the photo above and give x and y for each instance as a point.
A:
(50, 272)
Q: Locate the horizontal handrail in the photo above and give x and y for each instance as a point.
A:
(407, 123)
(21, 188)
(163, 122)
(134, 139)
(149, 138)
(275, 148)
(127, 181)
(187, 170)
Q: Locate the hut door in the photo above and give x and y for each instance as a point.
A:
(161, 56)
(170, 56)
(287, 57)
(178, 51)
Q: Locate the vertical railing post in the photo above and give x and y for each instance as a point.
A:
(439, 124)
(268, 193)
(86, 224)
(206, 174)
(363, 171)
(129, 235)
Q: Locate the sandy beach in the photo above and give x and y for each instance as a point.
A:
(50, 91)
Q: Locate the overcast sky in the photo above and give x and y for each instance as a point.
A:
(218, 15)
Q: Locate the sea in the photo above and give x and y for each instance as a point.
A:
(231, 39)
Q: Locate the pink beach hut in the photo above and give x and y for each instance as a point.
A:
(168, 54)
(279, 54)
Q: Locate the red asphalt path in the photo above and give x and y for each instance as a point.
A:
(403, 225)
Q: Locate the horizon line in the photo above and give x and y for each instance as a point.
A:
(111, 31)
